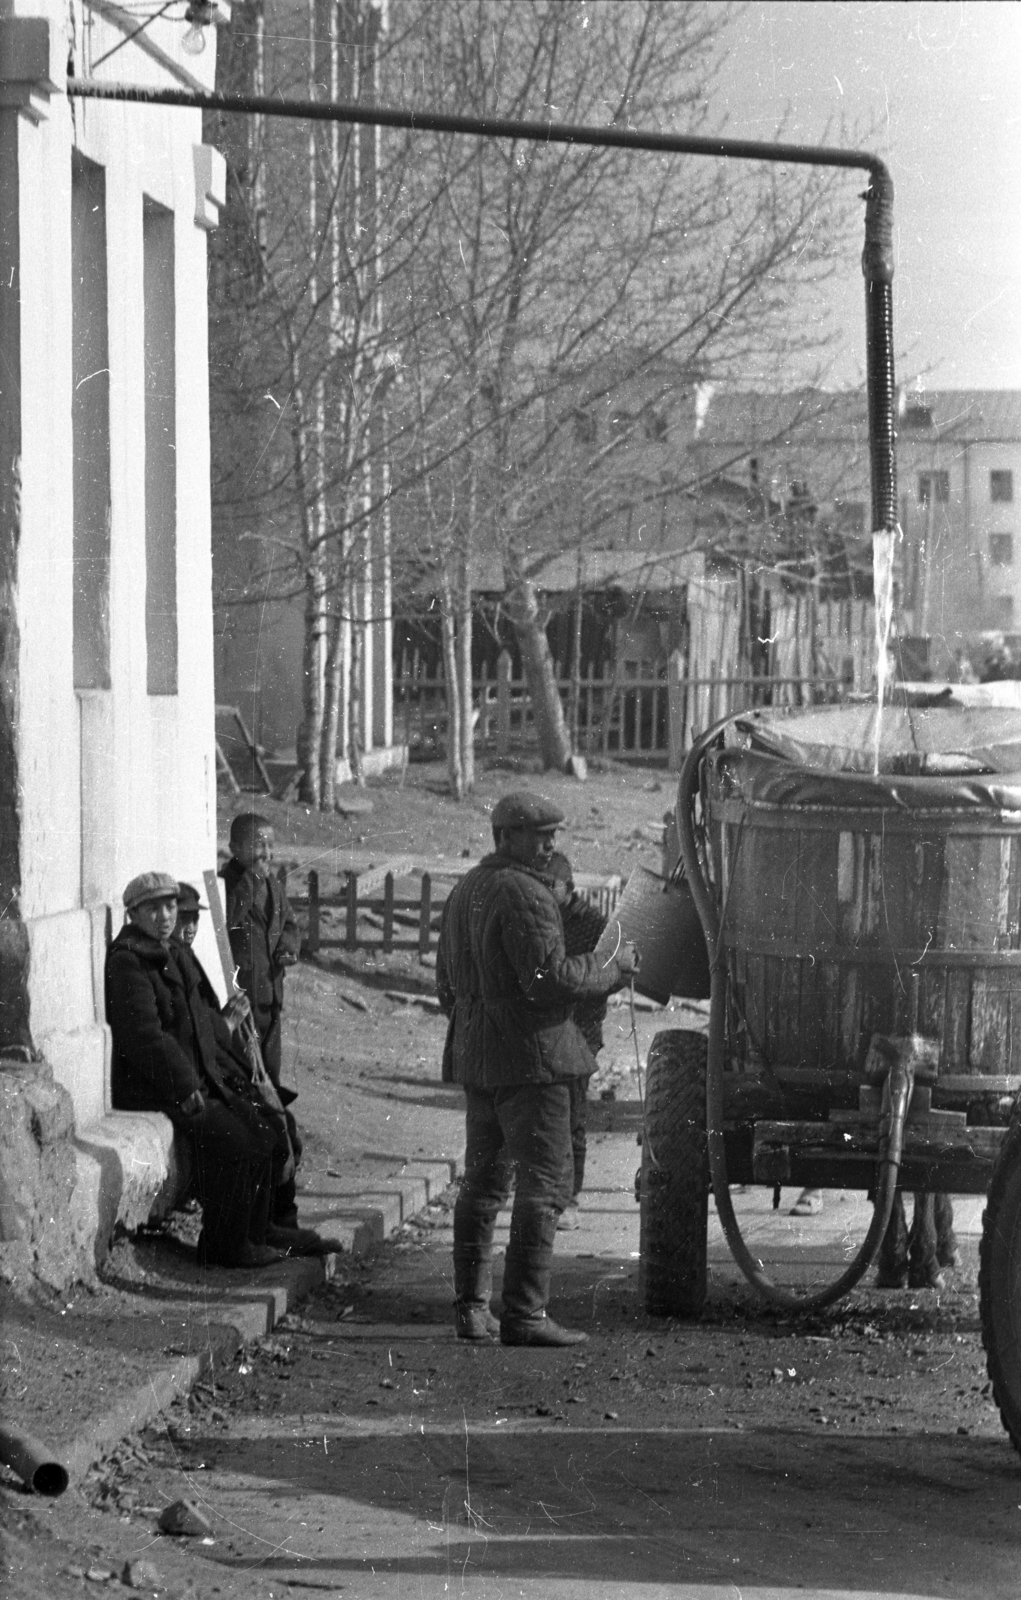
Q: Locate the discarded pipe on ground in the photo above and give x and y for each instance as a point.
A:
(34, 1462)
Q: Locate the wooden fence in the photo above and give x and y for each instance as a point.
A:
(647, 716)
(374, 917)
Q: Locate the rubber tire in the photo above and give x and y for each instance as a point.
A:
(673, 1247)
(999, 1283)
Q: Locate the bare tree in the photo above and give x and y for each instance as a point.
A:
(554, 275)
(300, 357)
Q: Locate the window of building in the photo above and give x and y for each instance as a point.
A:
(918, 416)
(934, 484)
(160, 450)
(1001, 485)
(1002, 606)
(90, 427)
(1001, 549)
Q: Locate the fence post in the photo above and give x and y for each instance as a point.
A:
(388, 913)
(503, 699)
(483, 722)
(313, 911)
(351, 897)
(675, 697)
(425, 911)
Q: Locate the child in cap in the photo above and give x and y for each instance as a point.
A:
(264, 937)
(583, 925)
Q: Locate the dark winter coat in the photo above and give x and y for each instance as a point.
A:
(506, 983)
(165, 1043)
(195, 974)
(259, 937)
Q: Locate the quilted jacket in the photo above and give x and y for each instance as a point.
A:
(506, 983)
(583, 925)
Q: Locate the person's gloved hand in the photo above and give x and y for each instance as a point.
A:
(628, 959)
(194, 1105)
(238, 1007)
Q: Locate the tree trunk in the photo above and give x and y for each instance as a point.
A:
(452, 686)
(331, 713)
(463, 600)
(310, 729)
(574, 701)
(537, 660)
(354, 751)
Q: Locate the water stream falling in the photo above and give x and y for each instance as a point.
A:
(882, 586)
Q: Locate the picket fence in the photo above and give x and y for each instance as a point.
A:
(375, 917)
(634, 715)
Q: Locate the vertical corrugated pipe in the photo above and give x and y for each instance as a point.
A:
(877, 267)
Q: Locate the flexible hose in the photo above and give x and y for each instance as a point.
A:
(892, 1127)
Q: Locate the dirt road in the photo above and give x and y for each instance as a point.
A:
(363, 1451)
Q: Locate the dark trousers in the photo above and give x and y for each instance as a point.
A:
(579, 1123)
(267, 1025)
(524, 1129)
(233, 1147)
(284, 1204)
(919, 1252)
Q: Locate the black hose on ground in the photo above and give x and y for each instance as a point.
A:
(900, 1081)
(35, 1463)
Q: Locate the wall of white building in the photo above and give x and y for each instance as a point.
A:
(113, 777)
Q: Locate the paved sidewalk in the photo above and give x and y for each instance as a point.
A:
(158, 1324)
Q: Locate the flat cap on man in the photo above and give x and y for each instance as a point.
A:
(150, 886)
(188, 898)
(524, 810)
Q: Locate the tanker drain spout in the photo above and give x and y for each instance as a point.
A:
(35, 1463)
(898, 1082)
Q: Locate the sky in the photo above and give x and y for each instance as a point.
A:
(939, 86)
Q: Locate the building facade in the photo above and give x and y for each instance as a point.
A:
(108, 763)
(958, 461)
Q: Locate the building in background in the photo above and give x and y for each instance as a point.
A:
(958, 460)
(106, 718)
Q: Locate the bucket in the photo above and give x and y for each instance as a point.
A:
(659, 916)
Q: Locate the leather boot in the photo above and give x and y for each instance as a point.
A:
(923, 1268)
(947, 1252)
(473, 1274)
(892, 1260)
(526, 1281)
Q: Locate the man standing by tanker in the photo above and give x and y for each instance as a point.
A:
(507, 986)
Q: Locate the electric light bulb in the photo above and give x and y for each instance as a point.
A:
(194, 41)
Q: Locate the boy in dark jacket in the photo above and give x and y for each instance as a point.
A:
(264, 937)
(167, 1057)
(583, 925)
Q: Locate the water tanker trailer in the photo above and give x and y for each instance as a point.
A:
(862, 937)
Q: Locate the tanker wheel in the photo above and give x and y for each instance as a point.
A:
(674, 1178)
(999, 1282)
